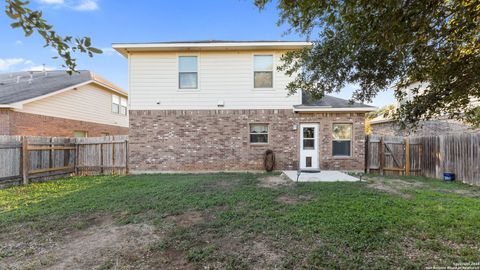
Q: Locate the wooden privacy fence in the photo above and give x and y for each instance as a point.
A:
(429, 156)
(23, 159)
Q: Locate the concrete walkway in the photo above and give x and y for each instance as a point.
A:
(322, 176)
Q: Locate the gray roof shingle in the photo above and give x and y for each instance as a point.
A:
(329, 102)
(24, 85)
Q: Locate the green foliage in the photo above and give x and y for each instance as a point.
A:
(31, 21)
(376, 44)
(341, 225)
(387, 111)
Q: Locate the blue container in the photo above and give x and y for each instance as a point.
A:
(449, 176)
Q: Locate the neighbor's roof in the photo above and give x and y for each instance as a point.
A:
(330, 103)
(205, 45)
(22, 86)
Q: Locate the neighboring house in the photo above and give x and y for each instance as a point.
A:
(219, 105)
(54, 103)
(385, 125)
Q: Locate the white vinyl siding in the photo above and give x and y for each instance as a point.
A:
(87, 103)
(225, 76)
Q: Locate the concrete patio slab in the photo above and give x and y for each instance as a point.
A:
(322, 176)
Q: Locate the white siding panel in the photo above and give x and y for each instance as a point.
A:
(88, 103)
(225, 76)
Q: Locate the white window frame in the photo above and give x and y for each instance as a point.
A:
(177, 63)
(122, 102)
(113, 103)
(253, 72)
(343, 140)
(250, 134)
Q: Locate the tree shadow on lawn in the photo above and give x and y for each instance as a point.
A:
(229, 221)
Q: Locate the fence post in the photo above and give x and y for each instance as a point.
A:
(367, 166)
(101, 158)
(25, 160)
(50, 158)
(407, 156)
(113, 157)
(126, 157)
(381, 155)
(75, 160)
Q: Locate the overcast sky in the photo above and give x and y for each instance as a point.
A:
(114, 21)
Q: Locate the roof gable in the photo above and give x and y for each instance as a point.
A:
(21, 86)
(330, 103)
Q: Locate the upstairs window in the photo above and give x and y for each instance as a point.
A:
(187, 72)
(342, 140)
(123, 106)
(119, 105)
(263, 71)
(258, 133)
(115, 104)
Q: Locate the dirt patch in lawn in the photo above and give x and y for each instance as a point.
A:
(275, 181)
(100, 245)
(186, 219)
(287, 199)
(393, 186)
(175, 259)
(251, 254)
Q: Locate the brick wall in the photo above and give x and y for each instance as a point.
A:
(426, 128)
(218, 140)
(4, 122)
(38, 125)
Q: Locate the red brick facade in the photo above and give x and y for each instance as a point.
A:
(218, 140)
(17, 123)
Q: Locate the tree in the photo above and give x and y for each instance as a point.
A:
(377, 44)
(32, 21)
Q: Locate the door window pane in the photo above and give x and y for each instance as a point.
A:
(309, 132)
(309, 144)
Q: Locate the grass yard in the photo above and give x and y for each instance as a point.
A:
(238, 221)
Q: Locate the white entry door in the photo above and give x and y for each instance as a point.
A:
(309, 146)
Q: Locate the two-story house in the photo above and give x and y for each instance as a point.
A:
(219, 105)
(54, 103)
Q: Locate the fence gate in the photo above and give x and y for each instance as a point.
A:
(392, 155)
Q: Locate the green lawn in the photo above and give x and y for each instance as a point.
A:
(238, 221)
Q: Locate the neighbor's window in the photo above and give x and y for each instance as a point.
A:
(80, 134)
(123, 106)
(263, 71)
(119, 105)
(115, 104)
(258, 133)
(187, 72)
(342, 139)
